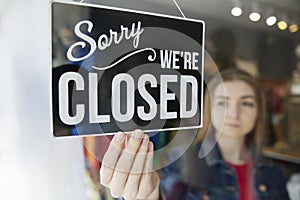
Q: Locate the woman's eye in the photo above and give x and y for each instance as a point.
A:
(221, 103)
(248, 104)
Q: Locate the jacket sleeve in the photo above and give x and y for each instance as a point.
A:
(273, 177)
(282, 187)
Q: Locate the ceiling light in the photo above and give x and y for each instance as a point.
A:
(236, 11)
(282, 25)
(293, 28)
(254, 15)
(236, 8)
(270, 21)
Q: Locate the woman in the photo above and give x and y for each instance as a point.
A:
(231, 168)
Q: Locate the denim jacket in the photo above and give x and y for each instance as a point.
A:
(211, 178)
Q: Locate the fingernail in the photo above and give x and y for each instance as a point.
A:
(150, 147)
(119, 136)
(137, 134)
(145, 140)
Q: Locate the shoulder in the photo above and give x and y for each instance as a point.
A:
(267, 165)
(270, 174)
(270, 179)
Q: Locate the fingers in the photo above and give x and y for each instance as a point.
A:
(110, 158)
(133, 180)
(146, 180)
(140, 157)
(124, 163)
(149, 160)
(127, 167)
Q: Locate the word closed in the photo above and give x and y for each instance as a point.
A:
(124, 81)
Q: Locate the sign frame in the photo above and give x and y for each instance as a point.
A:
(134, 12)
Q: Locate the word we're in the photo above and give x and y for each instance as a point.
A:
(170, 59)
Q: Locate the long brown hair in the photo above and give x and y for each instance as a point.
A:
(233, 74)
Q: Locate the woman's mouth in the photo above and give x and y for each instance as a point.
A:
(233, 125)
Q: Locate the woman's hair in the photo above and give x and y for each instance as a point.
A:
(233, 74)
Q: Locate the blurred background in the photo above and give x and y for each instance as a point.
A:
(34, 165)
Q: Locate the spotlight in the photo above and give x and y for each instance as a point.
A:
(271, 18)
(254, 15)
(236, 8)
(270, 21)
(236, 11)
(293, 28)
(282, 25)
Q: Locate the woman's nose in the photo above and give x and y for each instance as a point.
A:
(233, 110)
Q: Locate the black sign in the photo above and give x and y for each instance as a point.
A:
(119, 70)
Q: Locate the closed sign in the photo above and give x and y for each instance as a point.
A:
(119, 70)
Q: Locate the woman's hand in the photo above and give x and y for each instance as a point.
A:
(127, 167)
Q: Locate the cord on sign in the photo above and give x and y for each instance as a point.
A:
(179, 8)
(81, 1)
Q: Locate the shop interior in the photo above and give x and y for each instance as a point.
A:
(34, 165)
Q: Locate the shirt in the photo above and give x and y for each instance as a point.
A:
(245, 180)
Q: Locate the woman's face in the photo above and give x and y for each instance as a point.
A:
(237, 108)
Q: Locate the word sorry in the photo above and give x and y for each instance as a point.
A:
(104, 41)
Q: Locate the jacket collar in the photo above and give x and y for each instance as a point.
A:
(209, 150)
(215, 156)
